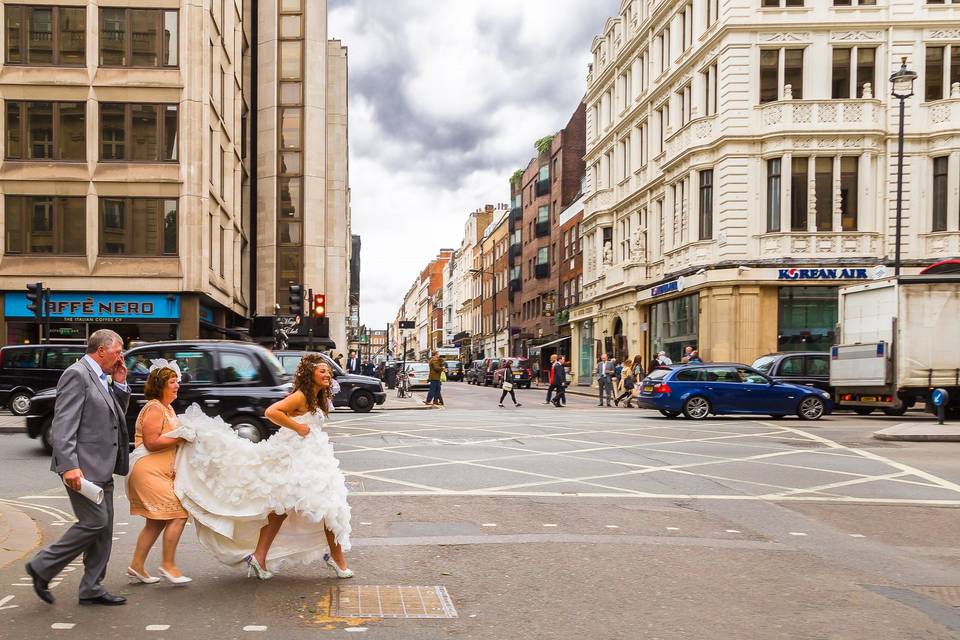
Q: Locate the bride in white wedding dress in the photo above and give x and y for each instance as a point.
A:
(275, 502)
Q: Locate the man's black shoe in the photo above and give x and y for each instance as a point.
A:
(106, 599)
(40, 586)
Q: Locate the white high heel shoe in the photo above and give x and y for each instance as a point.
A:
(135, 577)
(341, 573)
(254, 568)
(176, 580)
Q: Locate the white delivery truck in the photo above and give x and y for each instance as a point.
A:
(899, 338)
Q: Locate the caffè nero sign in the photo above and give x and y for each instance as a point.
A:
(92, 307)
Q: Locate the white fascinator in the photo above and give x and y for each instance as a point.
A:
(161, 363)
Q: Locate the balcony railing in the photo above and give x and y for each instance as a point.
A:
(542, 229)
(515, 249)
(516, 214)
(809, 116)
(542, 188)
(541, 271)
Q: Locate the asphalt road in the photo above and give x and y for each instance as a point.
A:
(581, 522)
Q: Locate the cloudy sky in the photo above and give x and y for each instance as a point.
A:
(446, 100)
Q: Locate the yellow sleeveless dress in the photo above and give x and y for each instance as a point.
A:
(150, 483)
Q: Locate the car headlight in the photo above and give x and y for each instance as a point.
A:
(825, 394)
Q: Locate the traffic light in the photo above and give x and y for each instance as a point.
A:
(319, 305)
(296, 299)
(35, 299)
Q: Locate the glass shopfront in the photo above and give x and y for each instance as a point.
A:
(807, 318)
(585, 370)
(674, 325)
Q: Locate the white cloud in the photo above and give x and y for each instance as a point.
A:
(446, 100)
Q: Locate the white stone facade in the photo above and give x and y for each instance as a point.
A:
(726, 134)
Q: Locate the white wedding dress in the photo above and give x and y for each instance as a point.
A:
(229, 485)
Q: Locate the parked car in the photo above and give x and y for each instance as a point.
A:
(701, 390)
(489, 368)
(360, 393)
(522, 373)
(28, 369)
(234, 380)
(474, 373)
(454, 370)
(418, 375)
(811, 368)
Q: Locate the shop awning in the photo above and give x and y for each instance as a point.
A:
(538, 347)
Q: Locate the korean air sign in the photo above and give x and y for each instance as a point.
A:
(822, 274)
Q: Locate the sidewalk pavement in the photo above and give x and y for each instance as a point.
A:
(18, 534)
(926, 431)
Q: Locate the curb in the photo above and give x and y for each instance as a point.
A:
(12, 429)
(18, 534)
(920, 432)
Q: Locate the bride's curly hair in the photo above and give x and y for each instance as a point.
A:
(317, 397)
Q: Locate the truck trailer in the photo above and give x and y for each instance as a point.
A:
(899, 339)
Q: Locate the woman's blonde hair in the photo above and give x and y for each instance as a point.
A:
(156, 382)
(317, 397)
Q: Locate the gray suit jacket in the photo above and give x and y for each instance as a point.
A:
(89, 429)
(611, 367)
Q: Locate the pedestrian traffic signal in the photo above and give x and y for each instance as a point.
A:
(296, 299)
(35, 299)
(319, 305)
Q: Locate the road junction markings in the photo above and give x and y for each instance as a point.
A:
(743, 459)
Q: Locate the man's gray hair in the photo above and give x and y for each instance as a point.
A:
(102, 338)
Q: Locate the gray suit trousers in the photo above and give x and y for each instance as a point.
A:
(92, 536)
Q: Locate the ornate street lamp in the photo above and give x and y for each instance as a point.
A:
(901, 87)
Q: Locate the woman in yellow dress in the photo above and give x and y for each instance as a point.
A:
(150, 481)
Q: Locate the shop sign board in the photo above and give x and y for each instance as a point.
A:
(667, 287)
(97, 307)
(206, 314)
(855, 273)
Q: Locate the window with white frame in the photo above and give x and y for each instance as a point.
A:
(712, 8)
(706, 204)
(773, 195)
(680, 190)
(663, 42)
(853, 67)
(941, 70)
(708, 78)
(940, 166)
(780, 68)
(685, 18)
(780, 4)
(854, 3)
(663, 122)
(625, 158)
(684, 98)
(642, 141)
(623, 232)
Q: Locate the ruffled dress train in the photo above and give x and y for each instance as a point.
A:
(230, 485)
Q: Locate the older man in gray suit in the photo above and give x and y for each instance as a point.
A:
(604, 375)
(90, 441)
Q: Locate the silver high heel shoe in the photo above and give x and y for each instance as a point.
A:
(175, 580)
(135, 577)
(341, 573)
(254, 568)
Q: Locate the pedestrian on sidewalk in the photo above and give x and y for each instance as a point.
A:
(560, 383)
(436, 370)
(505, 376)
(617, 378)
(687, 350)
(694, 357)
(638, 372)
(90, 443)
(552, 387)
(604, 373)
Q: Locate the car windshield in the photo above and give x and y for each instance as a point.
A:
(764, 363)
(519, 363)
(658, 374)
(418, 367)
(273, 363)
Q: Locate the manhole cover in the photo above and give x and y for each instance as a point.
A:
(947, 595)
(387, 601)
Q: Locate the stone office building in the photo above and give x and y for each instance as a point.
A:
(741, 161)
(128, 163)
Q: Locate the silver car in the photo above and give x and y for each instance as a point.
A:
(418, 374)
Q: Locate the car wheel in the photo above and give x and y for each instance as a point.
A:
(669, 414)
(45, 437)
(249, 427)
(361, 401)
(20, 403)
(863, 411)
(890, 411)
(810, 408)
(696, 407)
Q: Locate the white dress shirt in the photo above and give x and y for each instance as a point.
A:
(103, 376)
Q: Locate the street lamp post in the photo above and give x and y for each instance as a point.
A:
(482, 273)
(901, 83)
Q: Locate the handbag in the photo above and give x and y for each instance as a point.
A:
(443, 376)
(507, 386)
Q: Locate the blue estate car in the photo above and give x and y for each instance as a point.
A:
(699, 390)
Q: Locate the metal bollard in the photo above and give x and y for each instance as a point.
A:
(940, 398)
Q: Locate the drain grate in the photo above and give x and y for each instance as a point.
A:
(949, 596)
(389, 601)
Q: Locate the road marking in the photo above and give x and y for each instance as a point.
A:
(673, 528)
(62, 625)
(732, 531)
(365, 523)
(5, 600)
(612, 526)
(255, 627)
(489, 524)
(157, 627)
(857, 535)
(797, 533)
(355, 629)
(549, 525)
(115, 538)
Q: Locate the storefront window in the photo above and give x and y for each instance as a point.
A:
(586, 353)
(807, 318)
(674, 325)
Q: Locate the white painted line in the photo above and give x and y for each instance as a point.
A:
(857, 535)
(121, 533)
(255, 627)
(115, 538)
(355, 629)
(366, 523)
(489, 524)
(57, 524)
(673, 528)
(797, 533)
(549, 525)
(27, 579)
(122, 524)
(5, 600)
(612, 526)
(21, 584)
(732, 531)
(157, 627)
(62, 625)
